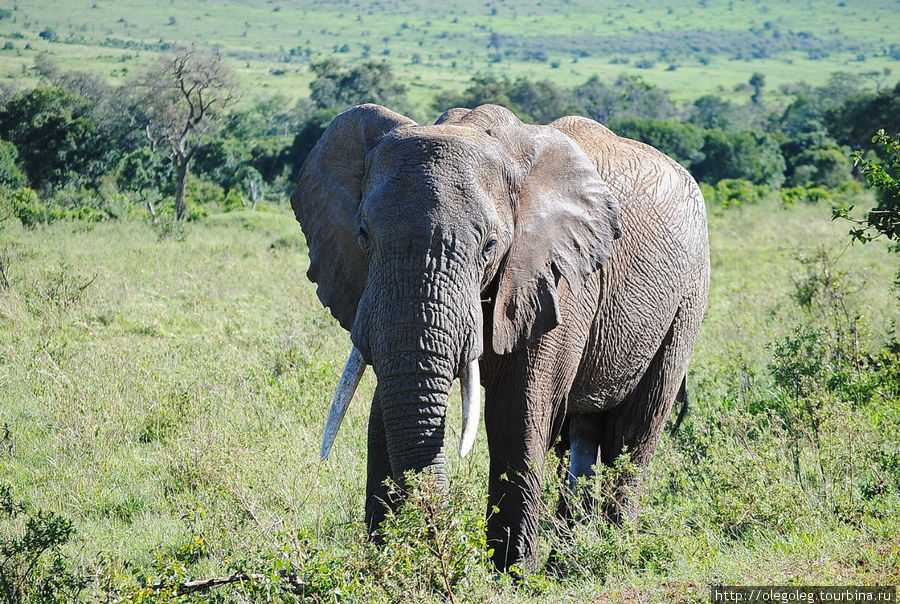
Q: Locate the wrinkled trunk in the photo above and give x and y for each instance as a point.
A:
(406, 424)
(416, 354)
(418, 325)
(413, 409)
(415, 362)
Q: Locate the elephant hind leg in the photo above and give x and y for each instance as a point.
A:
(636, 424)
(578, 452)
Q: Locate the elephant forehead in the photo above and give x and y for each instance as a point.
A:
(437, 164)
(437, 149)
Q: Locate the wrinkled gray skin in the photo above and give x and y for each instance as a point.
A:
(575, 261)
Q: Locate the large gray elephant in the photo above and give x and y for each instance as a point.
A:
(563, 267)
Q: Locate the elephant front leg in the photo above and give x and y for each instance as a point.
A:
(519, 433)
(514, 502)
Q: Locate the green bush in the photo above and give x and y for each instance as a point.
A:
(25, 205)
(734, 192)
(201, 192)
(32, 569)
(794, 195)
(233, 201)
(435, 544)
(10, 173)
(64, 204)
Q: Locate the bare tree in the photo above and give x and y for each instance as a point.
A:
(184, 97)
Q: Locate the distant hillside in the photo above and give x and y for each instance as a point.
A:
(707, 46)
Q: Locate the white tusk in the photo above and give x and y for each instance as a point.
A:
(470, 386)
(353, 372)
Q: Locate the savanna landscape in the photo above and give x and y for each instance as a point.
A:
(166, 367)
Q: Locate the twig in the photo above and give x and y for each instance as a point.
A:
(292, 583)
(152, 210)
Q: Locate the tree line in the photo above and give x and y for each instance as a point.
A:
(178, 138)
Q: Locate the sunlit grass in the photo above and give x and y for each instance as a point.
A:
(158, 385)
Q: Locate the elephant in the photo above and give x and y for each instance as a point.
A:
(561, 267)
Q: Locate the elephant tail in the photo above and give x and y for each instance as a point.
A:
(681, 397)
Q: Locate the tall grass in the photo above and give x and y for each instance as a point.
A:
(165, 390)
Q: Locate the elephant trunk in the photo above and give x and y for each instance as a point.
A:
(416, 355)
(413, 409)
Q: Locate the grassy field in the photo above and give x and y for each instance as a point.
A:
(709, 46)
(165, 390)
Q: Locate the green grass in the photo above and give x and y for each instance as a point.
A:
(160, 385)
(695, 48)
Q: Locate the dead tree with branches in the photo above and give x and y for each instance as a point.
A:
(184, 98)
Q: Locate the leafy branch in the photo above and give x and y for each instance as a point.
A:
(884, 218)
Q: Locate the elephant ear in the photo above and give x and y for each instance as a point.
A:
(327, 199)
(565, 222)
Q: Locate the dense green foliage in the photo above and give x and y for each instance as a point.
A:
(79, 133)
(57, 141)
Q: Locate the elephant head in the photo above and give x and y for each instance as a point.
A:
(410, 228)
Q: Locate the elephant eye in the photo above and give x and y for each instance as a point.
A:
(489, 247)
(362, 235)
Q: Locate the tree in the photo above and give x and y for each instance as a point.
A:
(757, 82)
(185, 97)
(824, 164)
(628, 96)
(599, 99)
(57, 140)
(741, 155)
(854, 122)
(337, 88)
(481, 90)
(711, 111)
(110, 108)
(803, 116)
(543, 101)
(840, 87)
(640, 98)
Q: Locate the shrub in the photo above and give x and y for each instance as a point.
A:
(28, 208)
(232, 201)
(794, 195)
(435, 544)
(10, 174)
(32, 569)
(733, 192)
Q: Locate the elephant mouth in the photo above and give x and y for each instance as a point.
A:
(469, 380)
